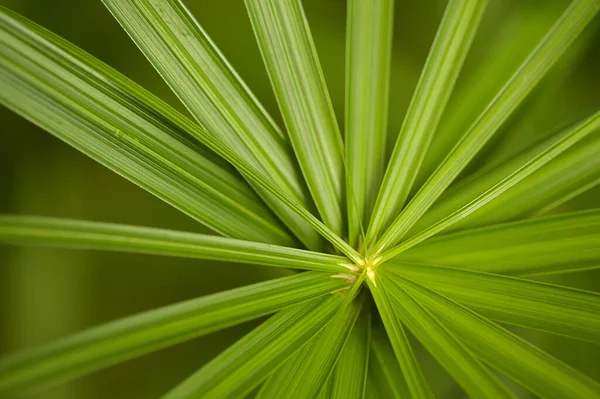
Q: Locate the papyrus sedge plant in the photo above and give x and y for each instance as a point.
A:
(387, 249)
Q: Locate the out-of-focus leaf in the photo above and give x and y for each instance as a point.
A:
(522, 362)
(244, 365)
(134, 336)
(475, 378)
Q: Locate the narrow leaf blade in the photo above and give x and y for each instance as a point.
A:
(368, 58)
(117, 237)
(239, 369)
(571, 171)
(111, 119)
(405, 356)
(312, 374)
(461, 364)
(446, 57)
(527, 303)
(147, 332)
(350, 373)
(553, 45)
(522, 362)
(215, 95)
(590, 127)
(548, 244)
(291, 60)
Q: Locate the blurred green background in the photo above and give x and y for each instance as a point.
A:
(49, 293)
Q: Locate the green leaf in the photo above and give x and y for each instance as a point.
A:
(573, 170)
(570, 138)
(448, 52)
(522, 362)
(278, 382)
(551, 244)
(475, 378)
(156, 329)
(503, 53)
(368, 58)
(240, 368)
(531, 304)
(313, 372)
(384, 374)
(117, 148)
(405, 356)
(552, 46)
(350, 372)
(114, 121)
(117, 237)
(291, 60)
(215, 95)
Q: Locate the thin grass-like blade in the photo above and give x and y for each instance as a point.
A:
(522, 362)
(572, 170)
(384, 372)
(475, 378)
(156, 329)
(549, 244)
(310, 377)
(350, 373)
(114, 121)
(240, 368)
(291, 60)
(215, 95)
(368, 58)
(117, 237)
(405, 356)
(531, 304)
(278, 382)
(448, 52)
(116, 142)
(504, 51)
(588, 128)
(553, 45)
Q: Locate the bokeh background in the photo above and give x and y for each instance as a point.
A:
(49, 293)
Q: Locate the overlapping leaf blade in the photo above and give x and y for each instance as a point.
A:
(262, 225)
(311, 375)
(350, 373)
(240, 368)
(572, 137)
(405, 356)
(461, 364)
(526, 303)
(277, 384)
(503, 53)
(216, 96)
(448, 52)
(134, 336)
(576, 168)
(522, 362)
(553, 45)
(384, 375)
(368, 58)
(111, 119)
(116, 237)
(559, 243)
(291, 60)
